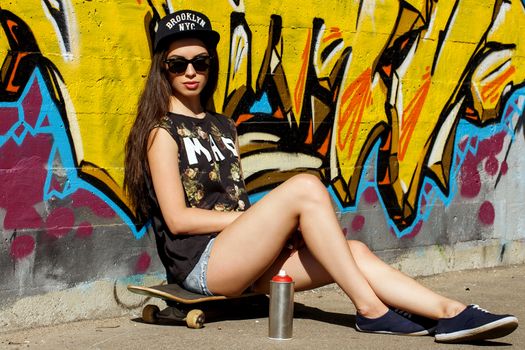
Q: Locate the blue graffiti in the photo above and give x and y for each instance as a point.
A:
(468, 134)
(262, 105)
(466, 131)
(50, 122)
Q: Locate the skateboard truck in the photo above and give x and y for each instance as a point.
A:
(181, 302)
(194, 318)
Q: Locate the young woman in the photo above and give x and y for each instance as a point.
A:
(183, 172)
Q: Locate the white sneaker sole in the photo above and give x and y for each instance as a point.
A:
(415, 334)
(493, 330)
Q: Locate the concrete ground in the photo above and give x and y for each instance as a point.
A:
(324, 319)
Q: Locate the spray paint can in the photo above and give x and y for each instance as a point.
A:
(281, 307)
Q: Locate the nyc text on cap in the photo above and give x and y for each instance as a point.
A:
(184, 24)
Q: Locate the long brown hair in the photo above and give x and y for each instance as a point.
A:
(152, 106)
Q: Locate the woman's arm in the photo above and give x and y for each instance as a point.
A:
(164, 167)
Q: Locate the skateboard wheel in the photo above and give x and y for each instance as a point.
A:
(195, 319)
(149, 313)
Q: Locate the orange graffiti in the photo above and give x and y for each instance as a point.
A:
(10, 86)
(11, 25)
(336, 34)
(411, 115)
(299, 89)
(356, 98)
(491, 90)
(243, 118)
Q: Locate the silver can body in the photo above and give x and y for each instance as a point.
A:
(281, 310)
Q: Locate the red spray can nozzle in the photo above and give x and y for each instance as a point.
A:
(282, 277)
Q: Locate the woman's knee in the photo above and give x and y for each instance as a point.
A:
(359, 249)
(307, 187)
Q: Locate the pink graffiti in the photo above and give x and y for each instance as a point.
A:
(370, 195)
(9, 118)
(84, 230)
(504, 167)
(24, 174)
(414, 231)
(22, 246)
(427, 189)
(143, 263)
(22, 185)
(423, 204)
(60, 222)
(56, 185)
(492, 165)
(486, 213)
(84, 198)
(358, 222)
(32, 104)
(470, 178)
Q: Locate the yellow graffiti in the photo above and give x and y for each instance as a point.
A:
(450, 37)
(445, 67)
(104, 74)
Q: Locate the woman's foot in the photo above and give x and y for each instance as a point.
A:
(474, 323)
(425, 322)
(389, 323)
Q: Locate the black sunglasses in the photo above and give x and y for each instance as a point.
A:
(180, 64)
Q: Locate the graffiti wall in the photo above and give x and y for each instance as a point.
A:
(411, 112)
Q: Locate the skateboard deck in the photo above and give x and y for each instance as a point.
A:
(184, 301)
(174, 292)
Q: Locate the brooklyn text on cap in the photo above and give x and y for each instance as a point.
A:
(184, 24)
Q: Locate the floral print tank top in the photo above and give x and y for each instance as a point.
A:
(211, 177)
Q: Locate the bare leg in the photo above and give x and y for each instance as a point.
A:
(401, 291)
(249, 246)
(250, 251)
(390, 285)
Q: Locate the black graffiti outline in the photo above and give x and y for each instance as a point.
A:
(60, 18)
(23, 57)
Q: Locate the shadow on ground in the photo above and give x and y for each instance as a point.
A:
(254, 308)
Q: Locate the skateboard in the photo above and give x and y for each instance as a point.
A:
(182, 304)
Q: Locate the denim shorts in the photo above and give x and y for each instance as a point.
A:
(196, 281)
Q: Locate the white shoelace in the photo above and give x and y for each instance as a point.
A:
(474, 306)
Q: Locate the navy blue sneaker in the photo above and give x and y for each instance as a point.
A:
(389, 323)
(474, 323)
(425, 322)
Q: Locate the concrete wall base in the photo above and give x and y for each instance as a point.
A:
(106, 298)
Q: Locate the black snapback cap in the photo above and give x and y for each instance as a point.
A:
(185, 24)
